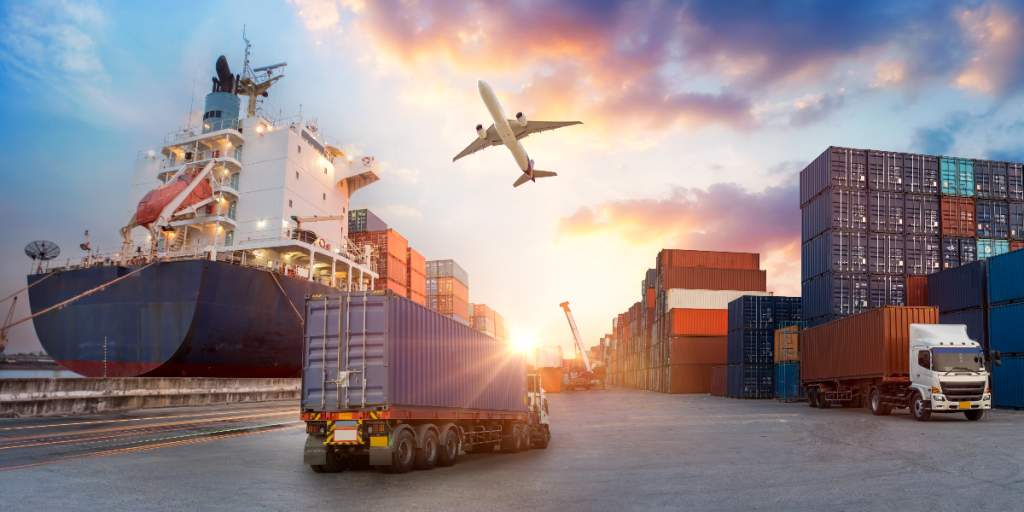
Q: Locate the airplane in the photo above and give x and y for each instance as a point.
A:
(508, 132)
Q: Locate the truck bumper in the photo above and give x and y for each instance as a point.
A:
(946, 406)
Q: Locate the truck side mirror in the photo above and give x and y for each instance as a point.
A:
(996, 361)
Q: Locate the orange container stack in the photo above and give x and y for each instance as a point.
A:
(448, 290)
(390, 252)
(416, 277)
(489, 322)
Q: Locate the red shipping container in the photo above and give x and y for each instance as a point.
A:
(708, 259)
(384, 242)
(699, 322)
(714, 279)
(483, 310)
(690, 378)
(719, 381)
(1016, 244)
(698, 350)
(958, 217)
(917, 290)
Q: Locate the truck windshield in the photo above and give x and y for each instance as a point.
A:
(947, 359)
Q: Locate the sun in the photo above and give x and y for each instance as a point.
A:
(524, 342)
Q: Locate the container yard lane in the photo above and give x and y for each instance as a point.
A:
(619, 449)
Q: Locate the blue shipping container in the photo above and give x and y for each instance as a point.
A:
(751, 312)
(750, 381)
(990, 179)
(364, 220)
(836, 167)
(750, 346)
(787, 383)
(924, 255)
(1008, 384)
(1006, 278)
(887, 291)
(974, 319)
(387, 351)
(821, 320)
(957, 176)
(1015, 182)
(922, 215)
(1016, 220)
(835, 294)
(886, 254)
(992, 218)
(834, 251)
(885, 171)
(957, 252)
(989, 247)
(958, 288)
(787, 309)
(885, 212)
(834, 209)
(1004, 328)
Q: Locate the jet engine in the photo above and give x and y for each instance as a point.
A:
(481, 132)
(521, 118)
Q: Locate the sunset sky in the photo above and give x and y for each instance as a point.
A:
(697, 115)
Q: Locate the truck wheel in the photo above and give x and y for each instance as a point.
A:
(545, 438)
(823, 403)
(426, 456)
(317, 468)
(449, 453)
(974, 415)
(527, 439)
(812, 397)
(512, 443)
(918, 409)
(875, 403)
(404, 457)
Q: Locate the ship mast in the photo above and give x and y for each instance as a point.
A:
(255, 82)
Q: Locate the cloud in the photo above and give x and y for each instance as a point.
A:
(938, 140)
(318, 14)
(399, 211)
(53, 41)
(996, 37)
(816, 108)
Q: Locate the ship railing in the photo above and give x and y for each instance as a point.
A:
(247, 259)
(348, 250)
(202, 156)
(187, 132)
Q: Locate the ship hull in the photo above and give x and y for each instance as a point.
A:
(195, 318)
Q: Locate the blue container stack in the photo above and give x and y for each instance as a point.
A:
(999, 205)
(960, 296)
(1005, 294)
(750, 353)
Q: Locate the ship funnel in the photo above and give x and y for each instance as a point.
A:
(222, 105)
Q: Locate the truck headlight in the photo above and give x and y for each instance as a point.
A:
(987, 397)
(938, 398)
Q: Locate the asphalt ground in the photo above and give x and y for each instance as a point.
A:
(617, 449)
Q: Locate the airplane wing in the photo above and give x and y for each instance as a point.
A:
(479, 144)
(537, 127)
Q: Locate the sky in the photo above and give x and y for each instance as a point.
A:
(697, 118)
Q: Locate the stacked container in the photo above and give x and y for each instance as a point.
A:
(360, 221)
(389, 251)
(787, 361)
(448, 290)
(1005, 294)
(416, 277)
(960, 295)
(752, 321)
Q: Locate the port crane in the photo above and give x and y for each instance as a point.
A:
(586, 378)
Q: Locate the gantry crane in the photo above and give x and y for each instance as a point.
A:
(584, 379)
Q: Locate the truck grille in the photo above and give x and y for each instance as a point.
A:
(963, 391)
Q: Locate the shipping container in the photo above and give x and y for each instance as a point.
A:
(958, 217)
(924, 255)
(990, 179)
(407, 357)
(713, 279)
(836, 167)
(763, 312)
(418, 298)
(834, 251)
(873, 344)
(387, 242)
(835, 209)
(390, 284)
(992, 218)
(416, 261)
(1005, 278)
(698, 322)
(719, 381)
(706, 259)
(1014, 182)
(1008, 384)
(835, 293)
(364, 220)
(1016, 219)
(974, 319)
(917, 290)
(1004, 328)
(920, 174)
(989, 247)
(885, 212)
(447, 286)
(957, 176)
(787, 344)
(751, 381)
(959, 288)
(885, 171)
(957, 252)
(1016, 245)
(449, 305)
(886, 254)
(690, 378)
(551, 379)
(922, 215)
(787, 383)
(887, 291)
(751, 346)
(447, 268)
(698, 350)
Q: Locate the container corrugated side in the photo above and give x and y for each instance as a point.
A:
(681, 298)
(787, 382)
(873, 344)
(1005, 283)
(713, 279)
(885, 212)
(917, 290)
(836, 167)
(719, 380)
(958, 288)
(697, 350)
(992, 218)
(690, 378)
(401, 354)
(922, 215)
(698, 322)
(920, 174)
(834, 251)
(836, 208)
(755, 381)
(707, 259)
(1004, 328)
(924, 255)
(751, 346)
(1008, 384)
(974, 319)
(835, 293)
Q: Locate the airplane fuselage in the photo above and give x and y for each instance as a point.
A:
(508, 137)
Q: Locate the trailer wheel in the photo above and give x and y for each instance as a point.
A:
(974, 415)
(426, 456)
(404, 457)
(823, 403)
(812, 397)
(514, 442)
(449, 448)
(527, 438)
(918, 409)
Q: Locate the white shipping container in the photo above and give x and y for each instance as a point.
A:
(549, 357)
(680, 298)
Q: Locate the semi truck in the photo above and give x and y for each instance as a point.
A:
(895, 357)
(388, 383)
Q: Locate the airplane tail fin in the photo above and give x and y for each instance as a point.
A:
(522, 179)
(543, 174)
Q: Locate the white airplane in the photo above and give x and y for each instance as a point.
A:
(508, 132)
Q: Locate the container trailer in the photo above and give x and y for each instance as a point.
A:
(895, 357)
(389, 383)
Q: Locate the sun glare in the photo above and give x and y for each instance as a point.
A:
(523, 342)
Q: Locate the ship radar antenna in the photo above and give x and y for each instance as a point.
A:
(255, 82)
(42, 250)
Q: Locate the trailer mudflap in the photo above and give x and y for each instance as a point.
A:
(315, 452)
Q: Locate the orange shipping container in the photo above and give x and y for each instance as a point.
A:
(449, 305)
(690, 378)
(395, 269)
(713, 279)
(719, 380)
(389, 284)
(699, 322)
(452, 286)
(650, 298)
(384, 242)
(418, 298)
(787, 345)
(416, 282)
(698, 350)
(957, 216)
(483, 310)
(917, 290)
(416, 261)
(551, 379)
(708, 259)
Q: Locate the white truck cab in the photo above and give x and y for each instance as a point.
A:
(947, 372)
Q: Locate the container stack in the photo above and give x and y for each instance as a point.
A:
(389, 251)
(752, 321)
(960, 295)
(1005, 287)
(549, 366)
(787, 362)
(416, 277)
(448, 290)
(360, 221)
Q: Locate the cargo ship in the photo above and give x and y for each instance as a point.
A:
(232, 223)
